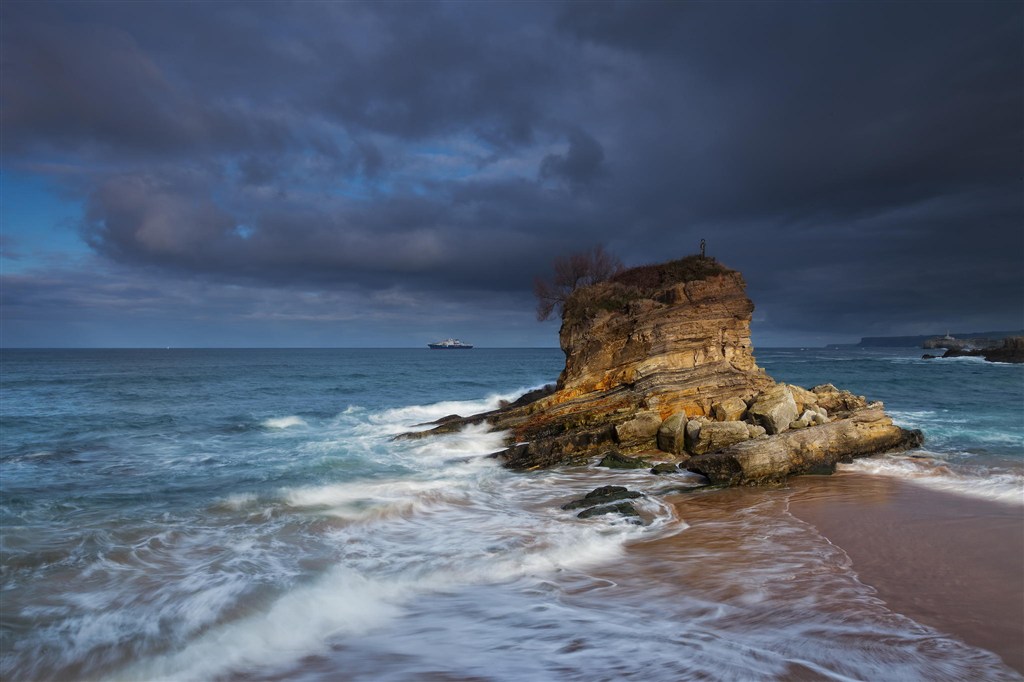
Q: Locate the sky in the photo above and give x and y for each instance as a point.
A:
(389, 174)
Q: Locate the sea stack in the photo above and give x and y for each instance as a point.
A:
(659, 365)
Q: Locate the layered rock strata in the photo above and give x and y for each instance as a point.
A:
(659, 364)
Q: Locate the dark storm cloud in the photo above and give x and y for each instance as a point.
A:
(580, 165)
(860, 163)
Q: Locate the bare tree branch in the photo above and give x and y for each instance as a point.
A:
(572, 272)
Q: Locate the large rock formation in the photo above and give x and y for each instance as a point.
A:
(659, 362)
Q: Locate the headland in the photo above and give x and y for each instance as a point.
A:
(660, 373)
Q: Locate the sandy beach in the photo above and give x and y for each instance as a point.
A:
(869, 550)
(952, 562)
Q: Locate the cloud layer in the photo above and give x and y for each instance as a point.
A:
(860, 163)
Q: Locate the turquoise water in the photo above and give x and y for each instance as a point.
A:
(244, 514)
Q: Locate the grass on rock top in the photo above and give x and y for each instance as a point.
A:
(644, 281)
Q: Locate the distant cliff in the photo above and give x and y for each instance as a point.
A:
(659, 367)
(921, 341)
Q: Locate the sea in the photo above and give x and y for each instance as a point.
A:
(235, 514)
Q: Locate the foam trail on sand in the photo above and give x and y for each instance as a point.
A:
(1005, 487)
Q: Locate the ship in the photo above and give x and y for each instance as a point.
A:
(449, 344)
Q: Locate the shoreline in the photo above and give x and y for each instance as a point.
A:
(847, 573)
(951, 562)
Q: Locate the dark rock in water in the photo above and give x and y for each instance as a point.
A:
(928, 356)
(571, 447)
(665, 468)
(603, 495)
(616, 460)
(1012, 350)
(624, 508)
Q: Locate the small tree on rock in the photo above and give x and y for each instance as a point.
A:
(572, 272)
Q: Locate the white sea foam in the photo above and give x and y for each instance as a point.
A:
(1005, 486)
(456, 533)
(403, 418)
(238, 500)
(284, 422)
(341, 602)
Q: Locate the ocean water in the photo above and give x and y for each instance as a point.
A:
(245, 514)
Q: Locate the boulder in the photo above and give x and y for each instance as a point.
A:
(614, 459)
(865, 432)
(755, 431)
(664, 468)
(803, 398)
(774, 409)
(834, 400)
(603, 495)
(643, 427)
(730, 409)
(672, 434)
(714, 436)
(693, 428)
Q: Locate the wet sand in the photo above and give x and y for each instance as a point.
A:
(951, 562)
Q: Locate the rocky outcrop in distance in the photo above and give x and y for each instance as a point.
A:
(660, 369)
(1010, 350)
